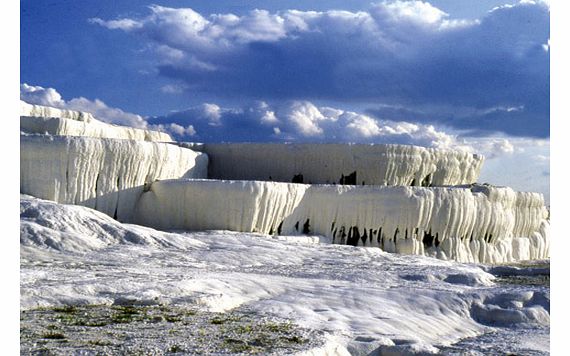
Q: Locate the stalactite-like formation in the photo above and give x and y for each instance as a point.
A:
(470, 224)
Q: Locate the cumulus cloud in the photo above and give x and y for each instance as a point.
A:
(212, 113)
(492, 147)
(305, 118)
(41, 96)
(414, 11)
(105, 113)
(406, 53)
(175, 129)
(303, 121)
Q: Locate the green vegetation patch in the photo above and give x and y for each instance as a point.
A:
(53, 336)
(158, 329)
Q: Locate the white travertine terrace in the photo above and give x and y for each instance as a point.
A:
(105, 174)
(468, 224)
(374, 164)
(37, 119)
(124, 173)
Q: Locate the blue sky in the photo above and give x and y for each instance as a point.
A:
(449, 74)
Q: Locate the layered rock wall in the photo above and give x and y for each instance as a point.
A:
(355, 164)
(469, 224)
(105, 174)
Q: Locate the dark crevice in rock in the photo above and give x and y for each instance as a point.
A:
(349, 179)
(97, 183)
(426, 182)
(297, 178)
(428, 239)
(96, 188)
(353, 236)
(334, 235)
(118, 195)
(306, 228)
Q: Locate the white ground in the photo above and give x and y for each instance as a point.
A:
(364, 298)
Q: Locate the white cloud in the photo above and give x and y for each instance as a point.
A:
(414, 11)
(212, 113)
(546, 46)
(265, 113)
(491, 147)
(105, 113)
(175, 129)
(333, 113)
(305, 117)
(545, 3)
(258, 25)
(364, 126)
(169, 53)
(41, 96)
(185, 29)
(303, 121)
(122, 24)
